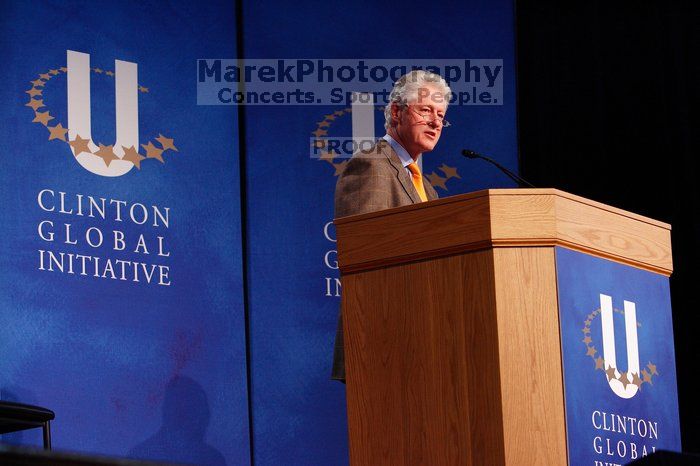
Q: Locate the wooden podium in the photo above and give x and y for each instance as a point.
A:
(452, 338)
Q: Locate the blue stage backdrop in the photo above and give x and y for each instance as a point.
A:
(120, 278)
(298, 413)
(121, 281)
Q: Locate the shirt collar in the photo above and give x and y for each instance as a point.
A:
(406, 159)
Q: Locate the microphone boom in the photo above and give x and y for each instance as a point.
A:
(470, 154)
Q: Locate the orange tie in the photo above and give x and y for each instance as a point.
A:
(417, 179)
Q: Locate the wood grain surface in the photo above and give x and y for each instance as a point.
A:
(530, 357)
(422, 364)
(463, 368)
(503, 218)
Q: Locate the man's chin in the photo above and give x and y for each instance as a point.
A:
(428, 146)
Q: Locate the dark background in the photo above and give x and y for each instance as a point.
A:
(606, 96)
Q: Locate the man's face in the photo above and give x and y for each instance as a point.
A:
(419, 124)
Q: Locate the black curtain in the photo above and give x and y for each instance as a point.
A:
(606, 97)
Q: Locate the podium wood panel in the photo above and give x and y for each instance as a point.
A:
(476, 394)
(421, 403)
(503, 218)
(530, 364)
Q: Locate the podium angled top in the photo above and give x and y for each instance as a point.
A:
(502, 218)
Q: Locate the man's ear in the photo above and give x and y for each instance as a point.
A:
(395, 110)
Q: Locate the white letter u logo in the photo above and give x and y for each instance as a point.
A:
(79, 117)
(620, 383)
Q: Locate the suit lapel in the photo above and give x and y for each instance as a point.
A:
(429, 190)
(401, 174)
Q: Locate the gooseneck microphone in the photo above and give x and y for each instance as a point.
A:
(470, 154)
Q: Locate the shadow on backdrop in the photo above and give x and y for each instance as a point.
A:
(185, 420)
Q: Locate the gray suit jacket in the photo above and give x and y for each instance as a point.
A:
(372, 180)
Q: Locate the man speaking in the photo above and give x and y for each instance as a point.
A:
(387, 175)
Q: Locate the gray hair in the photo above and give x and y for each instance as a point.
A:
(406, 90)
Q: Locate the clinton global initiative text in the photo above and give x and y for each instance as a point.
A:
(97, 267)
(79, 233)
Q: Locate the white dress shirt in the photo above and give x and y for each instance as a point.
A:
(403, 154)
